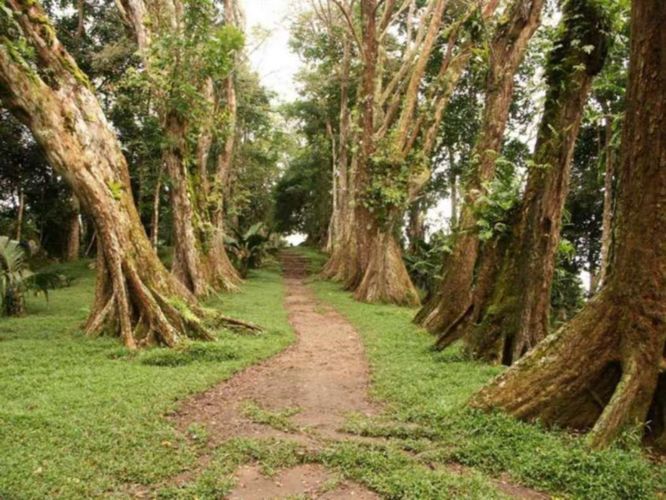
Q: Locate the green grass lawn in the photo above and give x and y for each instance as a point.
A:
(82, 417)
(425, 394)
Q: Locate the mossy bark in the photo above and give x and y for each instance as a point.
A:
(200, 259)
(603, 371)
(518, 315)
(136, 297)
(453, 300)
(73, 248)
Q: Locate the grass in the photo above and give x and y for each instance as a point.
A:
(82, 417)
(425, 394)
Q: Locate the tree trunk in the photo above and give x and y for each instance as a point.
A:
(155, 217)
(604, 369)
(19, 216)
(518, 315)
(342, 213)
(200, 259)
(607, 219)
(350, 262)
(415, 226)
(74, 232)
(453, 182)
(453, 299)
(135, 295)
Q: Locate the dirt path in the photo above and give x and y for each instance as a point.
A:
(314, 385)
(323, 376)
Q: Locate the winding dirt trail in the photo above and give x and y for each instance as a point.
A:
(315, 384)
(324, 376)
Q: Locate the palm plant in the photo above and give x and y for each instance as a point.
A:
(248, 248)
(16, 278)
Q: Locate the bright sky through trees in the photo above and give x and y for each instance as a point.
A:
(268, 31)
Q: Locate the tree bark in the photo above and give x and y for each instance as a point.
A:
(607, 218)
(21, 212)
(135, 297)
(155, 217)
(74, 232)
(603, 371)
(507, 49)
(518, 315)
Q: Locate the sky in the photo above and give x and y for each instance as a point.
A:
(269, 49)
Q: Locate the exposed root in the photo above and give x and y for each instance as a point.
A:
(238, 325)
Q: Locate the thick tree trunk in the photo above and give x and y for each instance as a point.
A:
(341, 218)
(453, 299)
(350, 262)
(135, 295)
(604, 370)
(74, 232)
(518, 315)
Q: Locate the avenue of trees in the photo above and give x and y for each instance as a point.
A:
(538, 125)
(135, 129)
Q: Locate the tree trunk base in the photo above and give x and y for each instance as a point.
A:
(587, 376)
(386, 279)
(142, 303)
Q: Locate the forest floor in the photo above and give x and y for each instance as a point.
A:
(336, 399)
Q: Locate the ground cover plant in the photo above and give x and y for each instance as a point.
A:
(83, 417)
(425, 394)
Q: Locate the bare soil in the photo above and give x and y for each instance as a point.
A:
(324, 376)
(319, 380)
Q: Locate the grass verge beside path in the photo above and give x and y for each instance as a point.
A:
(425, 394)
(82, 417)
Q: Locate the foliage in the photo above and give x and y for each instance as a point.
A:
(66, 430)
(16, 278)
(248, 248)
(496, 205)
(425, 263)
(567, 291)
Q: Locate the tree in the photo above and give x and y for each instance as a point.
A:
(517, 314)
(603, 371)
(506, 51)
(173, 35)
(42, 86)
(398, 123)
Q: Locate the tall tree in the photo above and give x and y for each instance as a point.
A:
(397, 131)
(506, 51)
(173, 35)
(517, 315)
(43, 87)
(603, 371)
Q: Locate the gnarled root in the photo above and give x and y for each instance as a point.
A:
(386, 278)
(599, 373)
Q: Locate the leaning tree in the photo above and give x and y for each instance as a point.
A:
(514, 314)
(604, 370)
(506, 51)
(41, 84)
